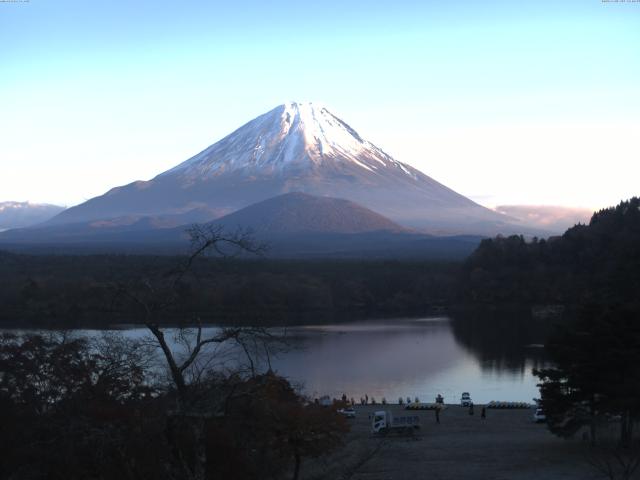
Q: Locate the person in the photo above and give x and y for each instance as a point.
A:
(483, 413)
(440, 399)
(437, 409)
(471, 408)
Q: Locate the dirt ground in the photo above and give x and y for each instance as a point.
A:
(507, 445)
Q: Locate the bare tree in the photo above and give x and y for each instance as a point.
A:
(154, 295)
(615, 463)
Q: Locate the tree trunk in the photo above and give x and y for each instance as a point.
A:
(626, 429)
(176, 373)
(296, 471)
(192, 467)
(200, 448)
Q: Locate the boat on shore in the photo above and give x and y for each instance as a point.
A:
(508, 405)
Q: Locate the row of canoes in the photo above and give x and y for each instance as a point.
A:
(423, 406)
(494, 404)
(491, 404)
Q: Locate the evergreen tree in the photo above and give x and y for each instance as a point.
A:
(596, 372)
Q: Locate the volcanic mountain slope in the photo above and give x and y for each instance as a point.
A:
(292, 225)
(284, 215)
(119, 229)
(303, 213)
(296, 147)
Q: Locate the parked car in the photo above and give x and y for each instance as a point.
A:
(539, 416)
(347, 412)
(465, 399)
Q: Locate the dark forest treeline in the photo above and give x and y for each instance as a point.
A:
(589, 263)
(595, 263)
(592, 382)
(68, 291)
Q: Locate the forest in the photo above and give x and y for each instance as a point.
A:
(81, 291)
(589, 263)
(592, 272)
(594, 263)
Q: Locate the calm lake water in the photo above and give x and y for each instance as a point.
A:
(402, 357)
(407, 357)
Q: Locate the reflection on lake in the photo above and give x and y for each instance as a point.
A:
(491, 358)
(409, 357)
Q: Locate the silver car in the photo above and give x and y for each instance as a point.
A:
(539, 416)
(347, 412)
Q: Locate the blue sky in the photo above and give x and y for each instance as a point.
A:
(525, 102)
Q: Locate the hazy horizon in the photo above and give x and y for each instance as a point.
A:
(507, 103)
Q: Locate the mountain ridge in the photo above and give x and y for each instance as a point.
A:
(292, 225)
(298, 212)
(296, 147)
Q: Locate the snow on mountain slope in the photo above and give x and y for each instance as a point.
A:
(296, 147)
(291, 136)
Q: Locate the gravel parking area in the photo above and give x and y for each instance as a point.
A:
(507, 445)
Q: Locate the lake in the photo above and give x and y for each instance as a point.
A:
(406, 357)
(409, 357)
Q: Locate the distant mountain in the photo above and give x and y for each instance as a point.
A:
(293, 225)
(24, 214)
(154, 229)
(296, 147)
(303, 213)
(554, 219)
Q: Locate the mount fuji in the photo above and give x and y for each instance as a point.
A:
(296, 147)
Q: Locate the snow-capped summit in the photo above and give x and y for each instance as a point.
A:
(296, 147)
(293, 136)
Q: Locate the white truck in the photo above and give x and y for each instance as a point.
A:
(383, 422)
(465, 399)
